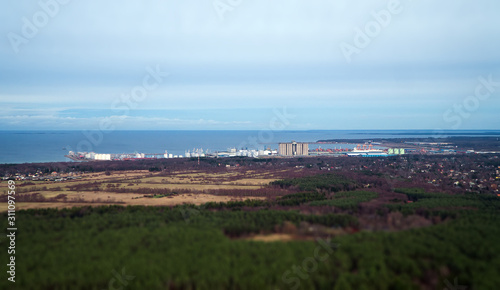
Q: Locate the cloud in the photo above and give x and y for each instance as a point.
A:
(36, 122)
(263, 55)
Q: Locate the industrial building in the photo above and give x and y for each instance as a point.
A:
(396, 151)
(293, 149)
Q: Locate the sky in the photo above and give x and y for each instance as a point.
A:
(241, 64)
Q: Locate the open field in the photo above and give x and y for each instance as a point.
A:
(132, 187)
(103, 198)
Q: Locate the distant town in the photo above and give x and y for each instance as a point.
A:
(331, 148)
(438, 164)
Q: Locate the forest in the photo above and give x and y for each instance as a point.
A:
(325, 224)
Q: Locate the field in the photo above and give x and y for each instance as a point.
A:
(134, 187)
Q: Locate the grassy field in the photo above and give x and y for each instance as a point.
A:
(190, 187)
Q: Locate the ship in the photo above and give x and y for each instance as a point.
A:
(367, 150)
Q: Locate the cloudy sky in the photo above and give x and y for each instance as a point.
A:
(229, 64)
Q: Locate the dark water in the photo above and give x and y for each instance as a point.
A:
(46, 146)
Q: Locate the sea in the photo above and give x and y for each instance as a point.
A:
(51, 146)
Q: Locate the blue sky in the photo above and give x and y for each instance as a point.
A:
(232, 66)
